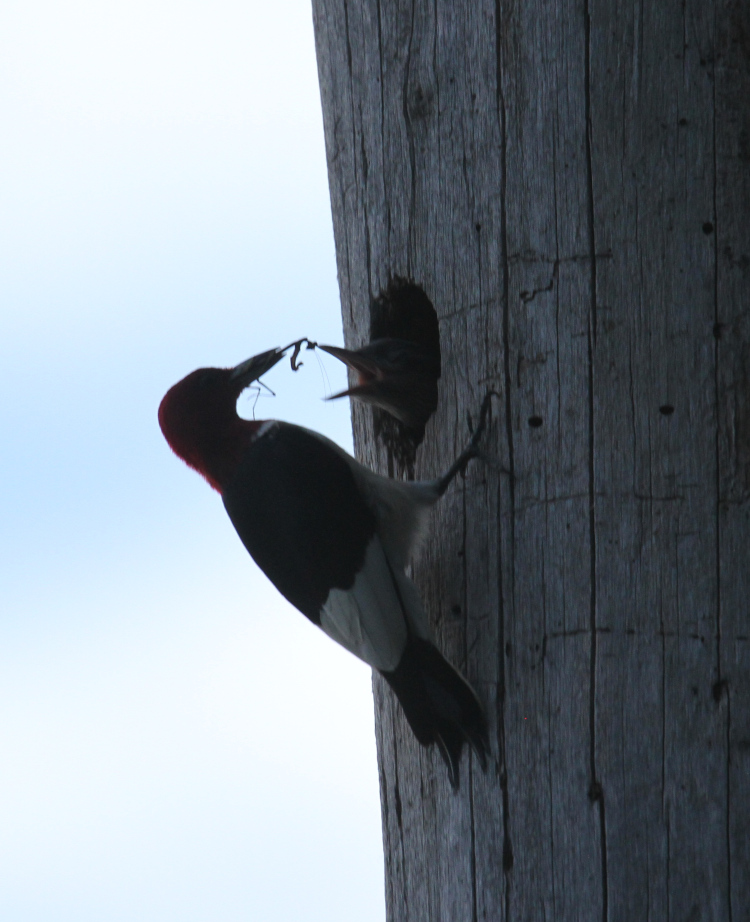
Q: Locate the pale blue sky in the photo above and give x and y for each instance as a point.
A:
(178, 744)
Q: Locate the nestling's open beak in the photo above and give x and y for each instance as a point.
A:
(253, 368)
(369, 372)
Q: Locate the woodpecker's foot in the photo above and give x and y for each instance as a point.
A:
(472, 449)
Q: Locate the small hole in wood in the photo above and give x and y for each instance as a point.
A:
(535, 421)
(708, 228)
(666, 409)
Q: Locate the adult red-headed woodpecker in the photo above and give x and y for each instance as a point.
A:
(396, 375)
(334, 538)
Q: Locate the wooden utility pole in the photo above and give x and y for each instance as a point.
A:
(569, 182)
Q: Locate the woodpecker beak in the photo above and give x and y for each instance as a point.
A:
(369, 372)
(253, 368)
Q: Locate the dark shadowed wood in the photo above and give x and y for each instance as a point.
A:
(570, 183)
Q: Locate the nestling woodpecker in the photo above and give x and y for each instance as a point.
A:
(396, 375)
(334, 538)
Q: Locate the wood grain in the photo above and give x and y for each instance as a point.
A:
(570, 183)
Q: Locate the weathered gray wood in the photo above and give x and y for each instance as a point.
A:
(731, 72)
(570, 183)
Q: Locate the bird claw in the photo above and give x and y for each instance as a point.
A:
(472, 449)
(483, 411)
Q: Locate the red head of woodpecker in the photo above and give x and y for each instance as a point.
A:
(396, 375)
(334, 538)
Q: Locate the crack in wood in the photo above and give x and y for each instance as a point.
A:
(398, 810)
(528, 296)
(502, 117)
(596, 791)
(532, 258)
(410, 140)
(728, 805)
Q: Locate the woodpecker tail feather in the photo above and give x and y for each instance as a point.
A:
(439, 704)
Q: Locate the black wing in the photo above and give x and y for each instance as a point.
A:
(297, 509)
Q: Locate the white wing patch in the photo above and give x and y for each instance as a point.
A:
(369, 619)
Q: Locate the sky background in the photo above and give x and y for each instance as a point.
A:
(176, 742)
